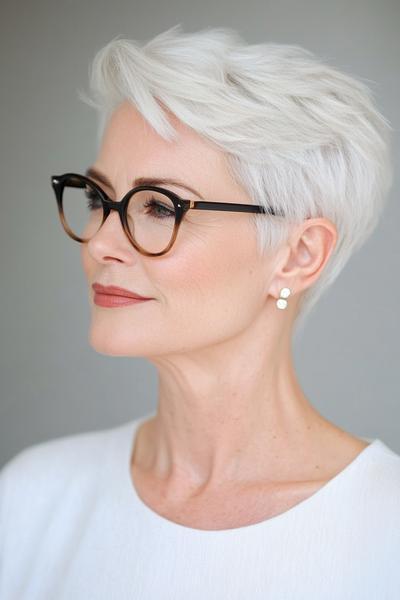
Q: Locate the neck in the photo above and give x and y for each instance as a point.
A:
(226, 416)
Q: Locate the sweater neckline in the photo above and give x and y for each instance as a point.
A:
(125, 436)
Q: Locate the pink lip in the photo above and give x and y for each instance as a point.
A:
(110, 301)
(114, 291)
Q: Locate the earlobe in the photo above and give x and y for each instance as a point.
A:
(282, 302)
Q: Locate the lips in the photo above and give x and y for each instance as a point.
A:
(112, 290)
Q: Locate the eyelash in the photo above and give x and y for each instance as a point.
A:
(95, 203)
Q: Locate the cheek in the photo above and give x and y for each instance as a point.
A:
(208, 291)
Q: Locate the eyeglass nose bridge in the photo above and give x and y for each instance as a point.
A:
(119, 206)
(113, 205)
(109, 205)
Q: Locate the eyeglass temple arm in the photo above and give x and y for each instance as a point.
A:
(227, 206)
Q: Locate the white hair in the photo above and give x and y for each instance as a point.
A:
(298, 135)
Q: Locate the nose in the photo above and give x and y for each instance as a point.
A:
(110, 242)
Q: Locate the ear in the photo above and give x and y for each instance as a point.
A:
(304, 256)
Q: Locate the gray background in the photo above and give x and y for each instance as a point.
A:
(52, 382)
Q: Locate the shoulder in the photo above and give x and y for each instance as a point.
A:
(378, 492)
(383, 465)
(55, 457)
(48, 492)
(51, 471)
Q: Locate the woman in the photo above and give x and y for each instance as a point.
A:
(235, 487)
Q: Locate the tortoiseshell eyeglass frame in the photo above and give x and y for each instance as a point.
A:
(182, 205)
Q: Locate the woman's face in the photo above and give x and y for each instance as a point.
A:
(210, 286)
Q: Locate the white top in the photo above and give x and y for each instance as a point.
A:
(72, 527)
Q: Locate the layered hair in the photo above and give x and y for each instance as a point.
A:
(298, 134)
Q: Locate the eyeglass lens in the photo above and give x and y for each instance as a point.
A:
(150, 215)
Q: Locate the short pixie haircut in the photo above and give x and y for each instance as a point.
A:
(297, 134)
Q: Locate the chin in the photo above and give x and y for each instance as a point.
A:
(113, 344)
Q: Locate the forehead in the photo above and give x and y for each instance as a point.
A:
(131, 148)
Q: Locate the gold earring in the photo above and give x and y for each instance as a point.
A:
(282, 302)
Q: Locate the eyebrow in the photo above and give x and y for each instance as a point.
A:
(92, 172)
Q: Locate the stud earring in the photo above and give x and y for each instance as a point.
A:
(282, 302)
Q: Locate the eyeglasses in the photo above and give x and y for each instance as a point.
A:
(150, 215)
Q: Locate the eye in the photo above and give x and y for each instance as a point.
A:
(158, 210)
(93, 199)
